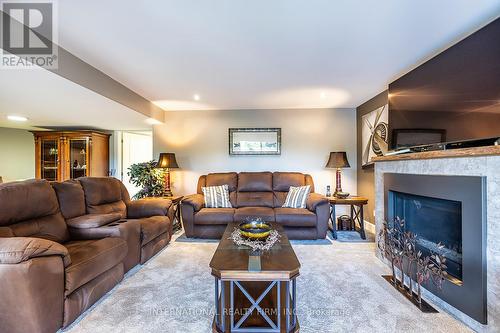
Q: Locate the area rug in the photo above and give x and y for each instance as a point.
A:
(340, 289)
(352, 237)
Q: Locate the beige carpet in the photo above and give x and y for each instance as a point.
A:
(340, 290)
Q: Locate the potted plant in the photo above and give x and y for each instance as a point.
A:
(146, 176)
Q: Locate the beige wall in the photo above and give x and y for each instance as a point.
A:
(366, 185)
(17, 154)
(200, 141)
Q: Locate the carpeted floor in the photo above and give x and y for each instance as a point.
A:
(339, 290)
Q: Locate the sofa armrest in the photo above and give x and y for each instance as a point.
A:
(6, 232)
(137, 209)
(14, 250)
(197, 201)
(92, 220)
(314, 200)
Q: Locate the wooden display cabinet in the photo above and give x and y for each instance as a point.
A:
(71, 154)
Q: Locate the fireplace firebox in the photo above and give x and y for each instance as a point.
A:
(447, 210)
(435, 221)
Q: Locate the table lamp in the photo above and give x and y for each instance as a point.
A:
(167, 161)
(338, 160)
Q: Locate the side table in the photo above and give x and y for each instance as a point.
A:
(356, 204)
(176, 200)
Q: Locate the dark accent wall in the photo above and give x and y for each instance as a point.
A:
(366, 183)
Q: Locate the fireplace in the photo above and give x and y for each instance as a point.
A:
(435, 221)
(447, 210)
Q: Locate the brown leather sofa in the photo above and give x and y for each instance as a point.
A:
(108, 211)
(256, 194)
(60, 253)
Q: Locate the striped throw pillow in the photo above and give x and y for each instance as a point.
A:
(297, 197)
(216, 196)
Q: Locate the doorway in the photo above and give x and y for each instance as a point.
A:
(136, 147)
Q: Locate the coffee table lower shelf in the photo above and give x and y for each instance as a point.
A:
(255, 306)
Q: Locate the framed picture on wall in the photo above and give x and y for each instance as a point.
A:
(374, 134)
(255, 141)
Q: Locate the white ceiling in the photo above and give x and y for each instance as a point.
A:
(239, 54)
(49, 100)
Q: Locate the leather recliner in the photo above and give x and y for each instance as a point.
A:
(52, 270)
(256, 194)
(107, 210)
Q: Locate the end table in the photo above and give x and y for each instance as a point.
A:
(356, 204)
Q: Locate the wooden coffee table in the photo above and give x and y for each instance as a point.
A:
(255, 300)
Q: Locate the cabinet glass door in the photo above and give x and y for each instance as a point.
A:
(49, 165)
(78, 158)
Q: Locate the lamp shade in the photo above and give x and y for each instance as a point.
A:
(338, 159)
(167, 160)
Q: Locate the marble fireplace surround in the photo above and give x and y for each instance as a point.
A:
(488, 166)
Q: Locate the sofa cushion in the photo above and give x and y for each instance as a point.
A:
(115, 207)
(295, 217)
(255, 199)
(255, 182)
(279, 198)
(21, 201)
(90, 258)
(283, 180)
(101, 190)
(266, 213)
(52, 227)
(71, 198)
(212, 216)
(30, 209)
(152, 227)
(217, 179)
(103, 195)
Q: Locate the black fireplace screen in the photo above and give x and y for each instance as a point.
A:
(434, 221)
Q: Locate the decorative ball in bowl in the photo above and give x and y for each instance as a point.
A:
(341, 195)
(255, 229)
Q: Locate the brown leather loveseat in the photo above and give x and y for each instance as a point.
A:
(60, 253)
(256, 194)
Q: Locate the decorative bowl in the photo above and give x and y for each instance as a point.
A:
(255, 230)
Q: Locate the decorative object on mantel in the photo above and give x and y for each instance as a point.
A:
(255, 141)
(374, 134)
(338, 160)
(256, 234)
(167, 161)
(407, 263)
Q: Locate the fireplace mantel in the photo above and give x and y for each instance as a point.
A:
(464, 162)
(464, 152)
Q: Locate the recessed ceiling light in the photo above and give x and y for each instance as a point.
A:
(196, 97)
(322, 95)
(17, 118)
